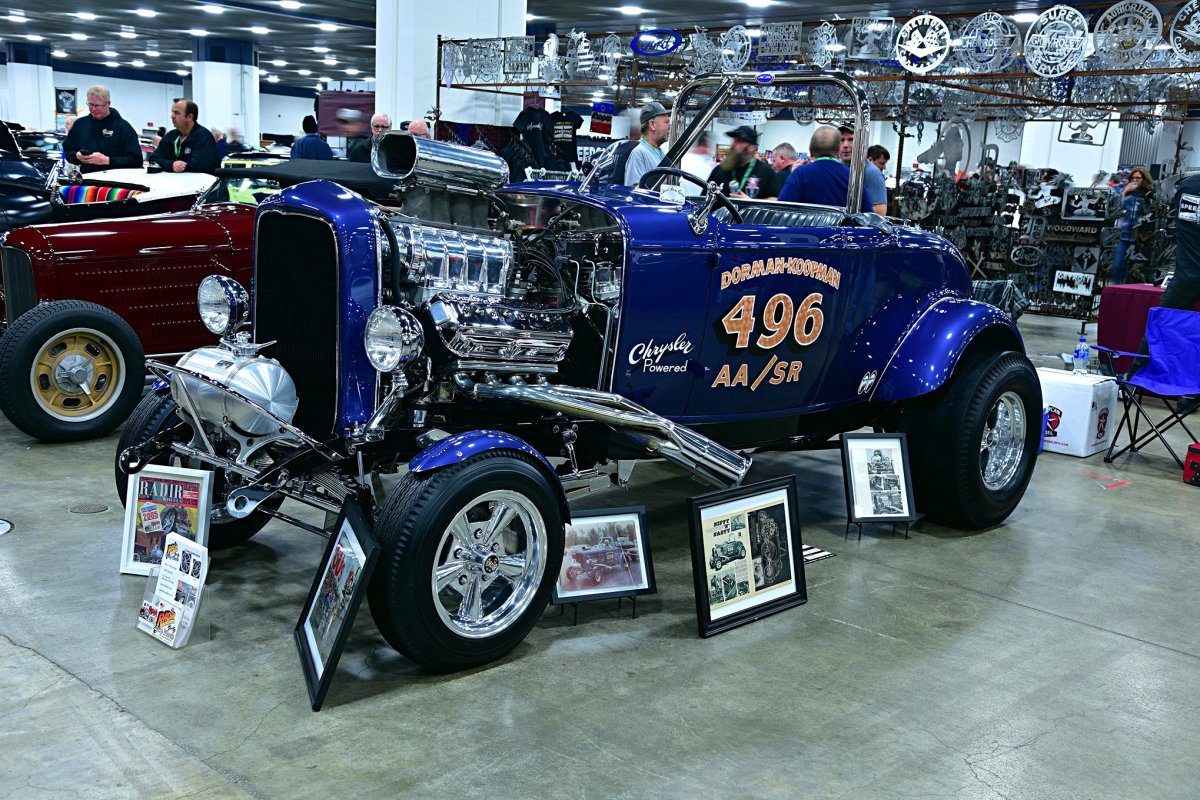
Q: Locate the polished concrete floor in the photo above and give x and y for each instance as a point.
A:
(1055, 656)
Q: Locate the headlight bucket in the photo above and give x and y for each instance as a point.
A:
(224, 305)
(392, 337)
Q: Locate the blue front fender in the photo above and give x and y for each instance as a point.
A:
(458, 448)
(932, 348)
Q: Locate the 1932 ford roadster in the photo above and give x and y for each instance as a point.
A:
(503, 345)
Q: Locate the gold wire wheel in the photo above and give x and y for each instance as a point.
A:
(77, 374)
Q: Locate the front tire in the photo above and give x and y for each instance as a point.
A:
(974, 444)
(70, 370)
(470, 554)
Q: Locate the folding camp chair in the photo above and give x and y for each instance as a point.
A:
(1172, 371)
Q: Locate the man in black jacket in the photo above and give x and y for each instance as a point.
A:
(102, 140)
(190, 147)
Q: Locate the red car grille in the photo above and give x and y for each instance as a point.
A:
(16, 283)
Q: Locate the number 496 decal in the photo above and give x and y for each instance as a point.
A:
(780, 316)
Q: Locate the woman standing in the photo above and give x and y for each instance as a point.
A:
(1133, 202)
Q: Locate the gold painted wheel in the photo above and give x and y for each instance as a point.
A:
(77, 374)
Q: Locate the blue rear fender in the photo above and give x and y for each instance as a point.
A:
(460, 447)
(932, 348)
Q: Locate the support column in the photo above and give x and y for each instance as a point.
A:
(30, 85)
(225, 85)
(406, 58)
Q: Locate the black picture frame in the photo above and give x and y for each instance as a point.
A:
(877, 489)
(624, 570)
(330, 605)
(757, 526)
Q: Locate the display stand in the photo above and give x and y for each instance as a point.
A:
(905, 523)
(575, 608)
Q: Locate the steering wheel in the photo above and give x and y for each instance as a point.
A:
(720, 197)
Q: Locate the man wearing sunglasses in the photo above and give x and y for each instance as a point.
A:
(103, 139)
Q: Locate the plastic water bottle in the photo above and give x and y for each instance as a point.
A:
(1080, 361)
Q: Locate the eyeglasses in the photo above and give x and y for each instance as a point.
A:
(97, 105)
(379, 127)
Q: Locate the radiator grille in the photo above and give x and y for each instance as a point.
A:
(16, 283)
(296, 305)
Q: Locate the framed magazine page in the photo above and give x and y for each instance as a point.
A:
(607, 554)
(878, 486)
(161, 500)
(334, 597)
(746, 554)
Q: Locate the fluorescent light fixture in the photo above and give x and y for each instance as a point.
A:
(86, 16)
(328, 27)
(109, 53)
(1024, 17)
(330, 61)
(182, 72)
(631, 11)
(290, 5)
(304, 71)
(14, 16)
(261, 72)
(272, 79)
(59, 53)
(260, 30)
(197, 32)
(278, 62)
(127, 34)
(531, 17)
(112, 64)
(351, 71)
(325, 80)
(320, 49)
(146, 12)
(137, 62)
(153, 53)
(79, 37)
(186, 63)
(369, 79)
(759, 3)
(33, 37)
(211, 9)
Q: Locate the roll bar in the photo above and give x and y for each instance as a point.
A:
(725, 83)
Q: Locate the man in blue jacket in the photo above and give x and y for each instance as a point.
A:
(311, 145)
(190, 147)
(103, 139)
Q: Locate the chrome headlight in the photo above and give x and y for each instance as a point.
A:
(393, 337)
(224, 304)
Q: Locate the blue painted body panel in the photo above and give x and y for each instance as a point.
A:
(358, 246)
(458, 448)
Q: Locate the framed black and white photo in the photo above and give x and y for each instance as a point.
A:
(746, 554)
(607, 554)
(65, 100)
(333, 600)
(875, 468)
(161, 500)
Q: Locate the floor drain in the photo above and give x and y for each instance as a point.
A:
(88, 508)
(5, 526)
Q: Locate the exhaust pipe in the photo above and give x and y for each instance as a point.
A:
(678, 444)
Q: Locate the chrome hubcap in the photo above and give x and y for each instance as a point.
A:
(1003, 442)
(490, 562)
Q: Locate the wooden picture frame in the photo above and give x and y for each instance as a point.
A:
(607, 554)
(877, 477)
(746, 554)
(161, 500)
(337, 590)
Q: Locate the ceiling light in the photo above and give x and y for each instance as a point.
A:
(112, 64)
(186, 63)
(127, 34)
(260, 30)
(369, 79)
(211, 9)
(109, 53)
(260, 71)
(197, 32)
(304, 71)
(79, 37)
(325, 80)
(146, 12)
(153, 53)
(531, 17)
(759, 3)
(351, 71)
(290, 5)
(87, 16)
(33, 37)
(329, 61)
(320, 49)
(278, 62)
(137, 62)
(59, 53)
(1024, 17)
(272, 79)
(15, 16)
(631, 11)
(182, 72)
(328, 27)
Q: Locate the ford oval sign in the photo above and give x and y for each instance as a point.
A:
(765, 77)
(656, 42)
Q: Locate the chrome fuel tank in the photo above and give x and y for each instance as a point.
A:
(259, 379)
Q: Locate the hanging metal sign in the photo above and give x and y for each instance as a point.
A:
(735, 48)
(781, 39)
(922, 44)
(706, 56)
(1126, 34)
(1185, 33)
(821, 43)
(989, 43)
(871, 38)
(1056, 42)
(656, 42)
(581, 62)
(518, 56)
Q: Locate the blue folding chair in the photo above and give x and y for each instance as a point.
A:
(1171, 371)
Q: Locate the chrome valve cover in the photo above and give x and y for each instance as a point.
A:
(509, 333)
(260, 379)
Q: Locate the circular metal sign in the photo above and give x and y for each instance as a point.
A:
(989, 43)
(1185, 33)
(922, 44)
(1125, 35)
(735, 48)
(1056, 42)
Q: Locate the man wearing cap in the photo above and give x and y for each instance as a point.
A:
(826, 180)
(741, 173)
(874, 183)
(656, 125)
(311, 145)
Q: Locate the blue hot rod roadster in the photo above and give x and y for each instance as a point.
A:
(502, 345)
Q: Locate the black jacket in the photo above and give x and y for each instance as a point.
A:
(112, 136)
(199, 150)
(358, 148)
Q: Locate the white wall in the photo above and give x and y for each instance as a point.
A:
(280, 114)
(143, 104)
(1040, 148)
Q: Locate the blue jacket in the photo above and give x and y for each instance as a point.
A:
(312, 146)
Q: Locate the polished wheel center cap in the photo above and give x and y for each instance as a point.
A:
(73, 372)
(491, 564)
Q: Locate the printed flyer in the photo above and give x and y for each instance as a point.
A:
(173, 597)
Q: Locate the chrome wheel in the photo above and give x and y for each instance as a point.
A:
(489, 564)
(77, 374)
(1003, 442)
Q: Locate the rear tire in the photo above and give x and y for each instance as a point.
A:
(973, 444)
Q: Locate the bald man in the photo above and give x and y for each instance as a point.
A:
(826, 180)
(419, 128)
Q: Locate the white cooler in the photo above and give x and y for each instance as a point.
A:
(1083, 412)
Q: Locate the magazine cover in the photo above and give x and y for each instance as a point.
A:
(161, 501)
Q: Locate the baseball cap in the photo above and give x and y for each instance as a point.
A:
(745, 133)
(651, 110)
(349, 115)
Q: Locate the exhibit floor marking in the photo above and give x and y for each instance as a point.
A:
(811, 554)
(1105, 478)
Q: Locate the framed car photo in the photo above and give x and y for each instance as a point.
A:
(746, 554)
(878, 487)
(333, 600)
(607, 554)
(161, 500)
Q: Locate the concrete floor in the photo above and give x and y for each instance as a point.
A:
(1055, 656)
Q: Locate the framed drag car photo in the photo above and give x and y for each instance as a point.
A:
(607, 554)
